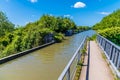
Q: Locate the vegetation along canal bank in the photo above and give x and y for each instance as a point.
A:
(46, 29)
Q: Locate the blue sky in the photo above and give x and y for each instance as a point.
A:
(83, 12)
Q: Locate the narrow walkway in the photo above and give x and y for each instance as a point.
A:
(98, 68)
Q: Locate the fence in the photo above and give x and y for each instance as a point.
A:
(112, 53)
(69, 71)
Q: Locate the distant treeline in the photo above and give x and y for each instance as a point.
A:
(109, 27)
(16, 39)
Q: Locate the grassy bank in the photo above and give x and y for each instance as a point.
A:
(80, 63)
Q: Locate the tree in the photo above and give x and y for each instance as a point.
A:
(5, 24)
(33, 34)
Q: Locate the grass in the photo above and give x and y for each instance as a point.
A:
(93, 38)
(79, 68)
(80, 63)
(116, 78)
(103, 56)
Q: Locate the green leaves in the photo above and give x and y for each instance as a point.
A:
(109, 27)
(83, 28)
(57, 24)
(112, 20)
(16, 40)
(59, 37)
(5, 24)
(112, 34)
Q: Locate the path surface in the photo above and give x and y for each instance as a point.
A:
(98, 68)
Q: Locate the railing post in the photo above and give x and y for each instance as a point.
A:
(113, 55)
(118, 63)
(116, 57)
(68, 74)
(111, 52)
(105, 45)
(101, 41)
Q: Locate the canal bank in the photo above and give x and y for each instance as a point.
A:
(14, 56)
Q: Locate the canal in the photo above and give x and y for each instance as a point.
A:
(44, 64)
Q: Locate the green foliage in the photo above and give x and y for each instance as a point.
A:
(112, 20)
(112, 34)
(5, 24)
(12, 48)
(57, 24)
(109, 27)
(20, 38)
(32, 35)
(83, 28)
(59, 37)
(92, 37)
(83, 51)
(117, 78)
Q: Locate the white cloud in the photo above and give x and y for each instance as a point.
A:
(104, 13)
(33, 1)
(69, 16)
(79, 5)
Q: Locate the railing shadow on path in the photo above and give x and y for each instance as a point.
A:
(112, 52)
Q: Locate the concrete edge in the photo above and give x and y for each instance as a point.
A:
(17, 55)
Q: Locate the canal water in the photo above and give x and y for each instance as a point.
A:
(44, 64)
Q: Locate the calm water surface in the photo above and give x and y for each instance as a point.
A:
(43, 64)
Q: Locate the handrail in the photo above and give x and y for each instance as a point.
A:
(112, 52)
(67, 68)
(110, 42)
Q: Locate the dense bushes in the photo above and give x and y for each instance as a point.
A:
(109, 27)
(112, 20)
(20, 41)
(59, 37)
(16, 40)
(13, 40)
(112, 34)
(83, 28)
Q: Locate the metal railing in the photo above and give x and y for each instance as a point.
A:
(69, 71)
(112, 53)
